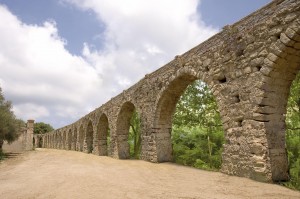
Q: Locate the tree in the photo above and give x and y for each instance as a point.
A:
(197, 133)
(41, 128)
(134, 137)
(197, 106)
(9, 126)
(293, 133)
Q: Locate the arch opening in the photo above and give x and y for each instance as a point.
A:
(128, 135)
(292, 135)
(188, 124)
(278, 108)
(59, 142)
(64, 140)
(103, 136)
(197, 131)
(81, 138)
(33, 142)
(90, 137)
(134, 137)
(75, 148)
(55, 140)
(40, 142)
(69, 139)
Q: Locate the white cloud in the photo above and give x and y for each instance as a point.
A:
(29, 110)
(141, 36)
(47, 82)
(39, 75)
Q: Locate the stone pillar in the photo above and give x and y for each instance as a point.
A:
(28, 136)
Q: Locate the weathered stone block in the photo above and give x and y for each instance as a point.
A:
(285, 40)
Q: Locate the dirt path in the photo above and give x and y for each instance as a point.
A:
(46, 173)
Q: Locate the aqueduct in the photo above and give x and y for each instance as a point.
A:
(249, 67)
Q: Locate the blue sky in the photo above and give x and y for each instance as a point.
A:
(60, 59)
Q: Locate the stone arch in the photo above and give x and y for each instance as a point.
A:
(50, 143)
(122, 129)
(33, 142)
(69, 145)
(74, 141)
(89, 137)
(170, 94)
(249, 66)
(49, 140)
(46, 144)
(52, 140)
(40, 141)
(55, 143)
(81, 138)
(58, 140)
(45, 141)
(59, 137)
(64, 140)
(166, 106)
(102, 133)
(276, 73)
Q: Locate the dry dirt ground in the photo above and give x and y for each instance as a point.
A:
(47, 173)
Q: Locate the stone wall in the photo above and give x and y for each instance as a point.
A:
(249, 67)
(26, 140)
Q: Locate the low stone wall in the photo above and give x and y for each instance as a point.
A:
(25, 142)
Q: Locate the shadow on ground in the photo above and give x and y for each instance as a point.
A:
(9, 155)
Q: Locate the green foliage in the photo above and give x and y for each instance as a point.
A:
(10, 126)
(293, 134)
(198, 147)
(2, 155)
(41, 128)
(197, 134)
(134, 137)
(197, 106)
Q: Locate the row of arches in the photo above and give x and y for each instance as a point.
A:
(94, 137)
(105, 136)
(249, 68)
(86, 138)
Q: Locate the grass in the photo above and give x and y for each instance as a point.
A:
(2, 155)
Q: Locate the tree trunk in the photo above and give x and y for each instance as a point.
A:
(138, 146)
(1, 144)
(136, 141)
